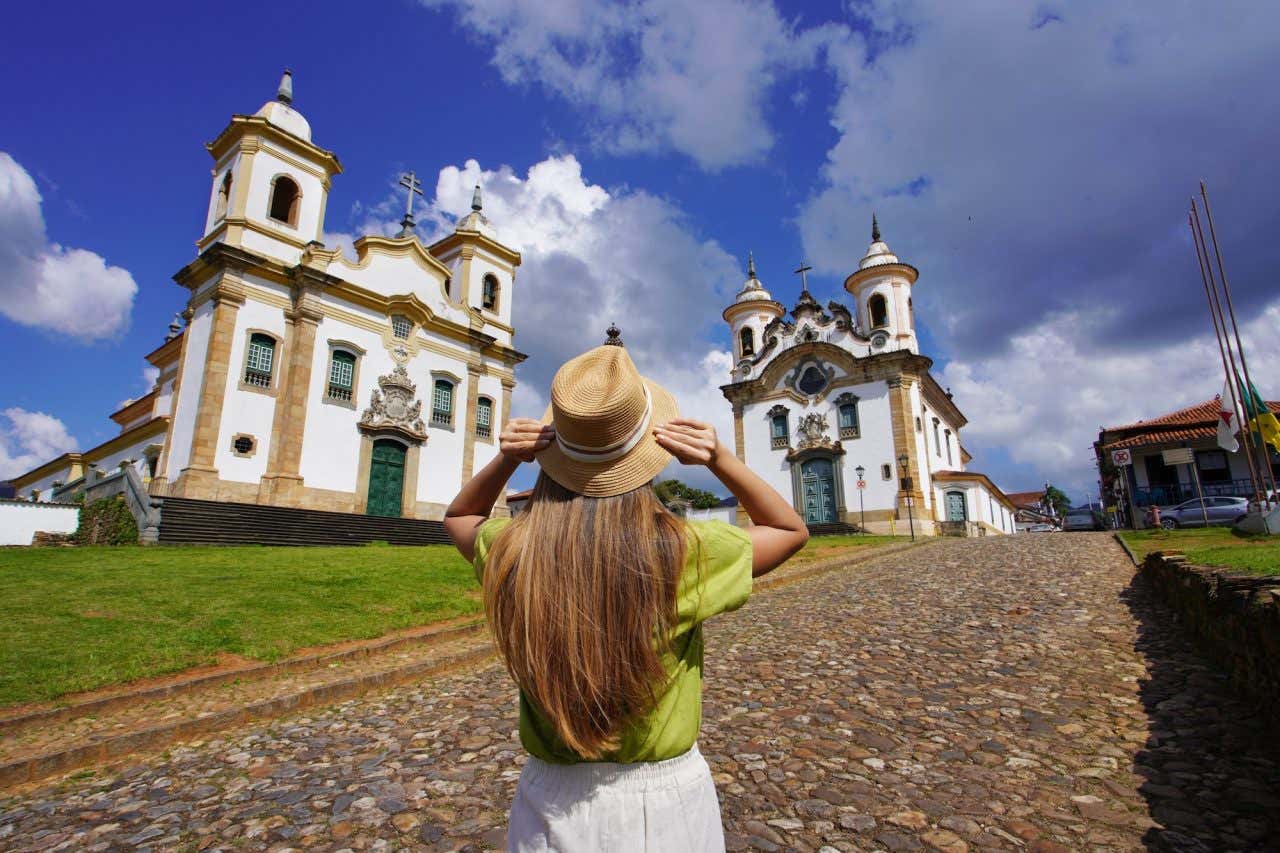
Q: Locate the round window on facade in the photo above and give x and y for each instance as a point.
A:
(243, 445)
(813, 380)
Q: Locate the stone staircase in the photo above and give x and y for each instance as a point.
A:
(834, 528)
(184, 521)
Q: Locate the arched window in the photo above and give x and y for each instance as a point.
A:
(779, 430)
(947, 432)
(442, 403)
(448, 286)
(224, 196)
(879, 309)
(886, 471)
(747, 341)
(489, 291)
(401, 326)
(847, 416)
(342, 374)
(284, 200)
(911, 313)
(484, 417)
(260, 360)
(919, 426)
(937, 439)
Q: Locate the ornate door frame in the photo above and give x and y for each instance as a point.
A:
(833, 454)
(394, 414)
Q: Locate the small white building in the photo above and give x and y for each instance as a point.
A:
(839, 391)
(304, 378)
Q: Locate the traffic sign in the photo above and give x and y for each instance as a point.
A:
(1121, 457)
(862, 484)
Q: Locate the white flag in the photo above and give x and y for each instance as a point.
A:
(1227, 426)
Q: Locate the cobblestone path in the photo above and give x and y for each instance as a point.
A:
(1000, 693)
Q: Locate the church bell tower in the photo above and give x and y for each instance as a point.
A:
(881, 289)
(270, 181)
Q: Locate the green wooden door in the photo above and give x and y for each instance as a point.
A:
(386, 478)
(817, 477)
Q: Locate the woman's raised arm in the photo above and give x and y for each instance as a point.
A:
(779, 530)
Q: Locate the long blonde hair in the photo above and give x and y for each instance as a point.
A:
(580, 593)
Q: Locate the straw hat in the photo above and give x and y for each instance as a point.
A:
(604, 413)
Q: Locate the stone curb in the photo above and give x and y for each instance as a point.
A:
(65, 760)
(39, 767)
(1127, 549)
(302, 663)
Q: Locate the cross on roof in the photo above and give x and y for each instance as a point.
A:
(411, 183)
(804, 280)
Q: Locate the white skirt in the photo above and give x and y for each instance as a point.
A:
(668, 806)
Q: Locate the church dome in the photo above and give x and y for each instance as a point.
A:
(752, 289)
(878, 252)
(281, 113)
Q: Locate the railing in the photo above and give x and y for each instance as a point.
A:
(144, 508)
(1176, 493)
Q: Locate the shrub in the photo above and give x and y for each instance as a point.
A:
(107, 522)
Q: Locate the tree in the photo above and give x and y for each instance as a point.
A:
(1057, 499)
(669, 490)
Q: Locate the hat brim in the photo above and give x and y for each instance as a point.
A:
(617, 476)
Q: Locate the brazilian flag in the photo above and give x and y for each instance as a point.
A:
(1260, 418)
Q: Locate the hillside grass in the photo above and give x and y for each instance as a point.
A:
(1212, 546)
(76, 619)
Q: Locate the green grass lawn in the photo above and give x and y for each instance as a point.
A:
(1212, 546)
(74, 619)
(822, 547)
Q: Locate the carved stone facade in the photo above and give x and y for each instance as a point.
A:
(394, 407)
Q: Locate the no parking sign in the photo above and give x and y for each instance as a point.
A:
(1121, 457)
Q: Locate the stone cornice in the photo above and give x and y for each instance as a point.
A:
(242, 126)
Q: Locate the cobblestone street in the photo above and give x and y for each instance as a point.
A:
(1002, 693)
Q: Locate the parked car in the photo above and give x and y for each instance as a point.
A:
(1042, 527)
(1081, 518)
(1225, 511)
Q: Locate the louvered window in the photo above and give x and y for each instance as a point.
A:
(342, 374)
(442, 403)
(262, 352)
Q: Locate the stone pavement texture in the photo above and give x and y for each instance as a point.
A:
(1003, 693)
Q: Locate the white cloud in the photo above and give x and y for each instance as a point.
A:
(1035, 163)
(42, 284)
(654, 75)
(1046, 397)
(30, 439)
(590, 257)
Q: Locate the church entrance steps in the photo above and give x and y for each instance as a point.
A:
(833, 528)
(107, 729)
(185, 521)
(51, 741)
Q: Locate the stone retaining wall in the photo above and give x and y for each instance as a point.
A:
(1236, 618)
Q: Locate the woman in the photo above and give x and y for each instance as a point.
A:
(596, 595)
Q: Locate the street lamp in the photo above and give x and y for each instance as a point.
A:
(862, 507)
(906, 487)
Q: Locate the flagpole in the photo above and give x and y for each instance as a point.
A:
(1219, 322)
(1244, 363)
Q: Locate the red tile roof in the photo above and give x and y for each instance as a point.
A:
(1189, 424)
(1021, 499)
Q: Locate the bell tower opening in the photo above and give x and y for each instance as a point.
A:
(284, 200)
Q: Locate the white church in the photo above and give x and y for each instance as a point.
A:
(836, 407)
(301, 378)
(298, 378)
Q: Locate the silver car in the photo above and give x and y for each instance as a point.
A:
(1226, 511)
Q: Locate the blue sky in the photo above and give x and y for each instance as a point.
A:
(1033, 161)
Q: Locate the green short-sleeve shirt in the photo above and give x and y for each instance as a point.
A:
(716, 579)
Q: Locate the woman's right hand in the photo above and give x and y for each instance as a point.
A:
(690, 442)
(523, 437)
